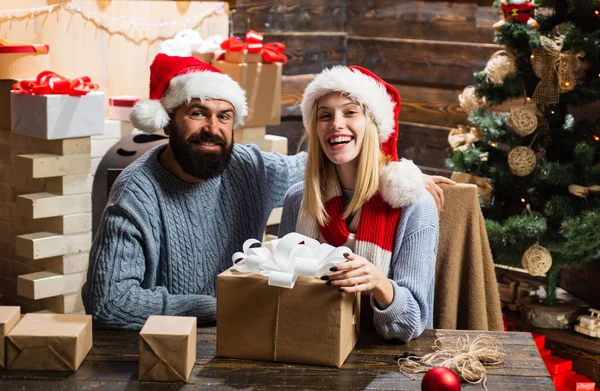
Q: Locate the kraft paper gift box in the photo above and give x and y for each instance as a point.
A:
(23, 61)
(167, 348)
(52, 117)
(312, 323)
(49, 342)
(262, 83)
(243, 56)
(9, 317)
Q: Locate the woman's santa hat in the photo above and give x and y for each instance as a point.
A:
(401, 182)
(177, 80)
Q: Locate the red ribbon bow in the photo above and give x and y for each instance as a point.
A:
(270, 52)
(49, 83)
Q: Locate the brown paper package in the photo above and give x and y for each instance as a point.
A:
(262, 83)
(49, 342)
(167, 348)
(9, 317)
(310, 324)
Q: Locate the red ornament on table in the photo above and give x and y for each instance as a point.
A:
(440, 379)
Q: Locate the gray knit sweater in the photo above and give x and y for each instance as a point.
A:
(162, 241)
(412, 267)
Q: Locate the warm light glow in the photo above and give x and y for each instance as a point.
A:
(528, 99)
(596, 138)
(532, 57)
(523, 200)
(567, 84)
(597, 12)
(494, 145)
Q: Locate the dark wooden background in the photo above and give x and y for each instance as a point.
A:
(427, 49)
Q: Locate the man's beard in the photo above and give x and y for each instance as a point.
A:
(200, 165)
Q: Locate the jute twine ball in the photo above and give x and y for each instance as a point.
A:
(468, 100)
(500, 65)
(521, 161)
(537, 260)
(522, 120)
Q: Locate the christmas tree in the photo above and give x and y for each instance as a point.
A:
(537, 167)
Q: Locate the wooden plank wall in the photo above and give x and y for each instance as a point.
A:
(427, 49)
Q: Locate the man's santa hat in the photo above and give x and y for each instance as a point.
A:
(401, 182)
(177, 80)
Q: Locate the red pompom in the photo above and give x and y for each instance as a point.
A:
(440, 379)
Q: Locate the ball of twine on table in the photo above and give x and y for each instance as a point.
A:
(465, 357)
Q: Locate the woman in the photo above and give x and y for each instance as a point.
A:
(356, 193)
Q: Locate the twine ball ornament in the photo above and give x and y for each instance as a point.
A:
(469, 101)
(500, 65)
(521, 161)
(537, 260)
(522, 120)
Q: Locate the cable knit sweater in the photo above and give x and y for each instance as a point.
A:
(162, 241)
(412, 268)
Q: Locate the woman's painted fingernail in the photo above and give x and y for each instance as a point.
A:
(324, 278)
(333, 269)
(328, 283)
(341, 290)
(346, 255)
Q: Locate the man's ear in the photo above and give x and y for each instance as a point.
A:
(167, 129)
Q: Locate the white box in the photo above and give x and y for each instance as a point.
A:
(54, 117)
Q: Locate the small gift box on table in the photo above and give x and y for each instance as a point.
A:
(49, 342)
(167, 348)
(269, 309)
(9, 317)
(22, 60)
(54, 107)
(257, 67)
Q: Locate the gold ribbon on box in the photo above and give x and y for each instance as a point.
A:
(293, 256)
(555, 69)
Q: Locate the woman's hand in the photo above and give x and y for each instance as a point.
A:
(359, 275)
(436, 191)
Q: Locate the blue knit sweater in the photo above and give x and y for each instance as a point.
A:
(162, 241)
(412, 268)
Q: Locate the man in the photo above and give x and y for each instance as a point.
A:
(176, 215)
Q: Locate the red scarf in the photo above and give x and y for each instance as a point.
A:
(376, 234)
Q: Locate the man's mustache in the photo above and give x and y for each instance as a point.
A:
(206, 137)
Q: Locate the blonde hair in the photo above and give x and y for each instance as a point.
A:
(320, 171)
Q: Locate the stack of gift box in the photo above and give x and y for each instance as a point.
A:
(257, 67)
(561, 370)
(46, 121)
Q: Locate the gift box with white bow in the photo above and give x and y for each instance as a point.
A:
(273, 306)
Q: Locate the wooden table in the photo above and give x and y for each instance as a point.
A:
(112, 365)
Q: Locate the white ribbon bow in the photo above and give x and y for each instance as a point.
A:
(293, 256)
(189, 41)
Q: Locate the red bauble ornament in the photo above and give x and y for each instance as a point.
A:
(440, 379)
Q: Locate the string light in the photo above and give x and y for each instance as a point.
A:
(493, 145)
(532, 57)
(596, 138)
(528, 99)
(100, 19)
(567, 84)
(597, 12)
(523, 200)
